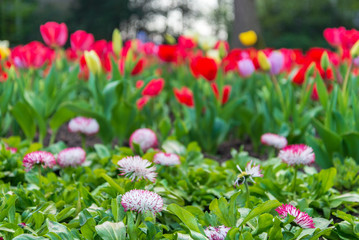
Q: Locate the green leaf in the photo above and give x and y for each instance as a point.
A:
(326, 180)
(23, 115)
(102, 151)
(265, 222)
(112, 231)
(59, 229)
(260, 209)
(220, 208)
(346, 197)
(28, 237)
(186, 217)
(113, 183)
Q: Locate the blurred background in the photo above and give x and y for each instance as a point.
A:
(291, 24)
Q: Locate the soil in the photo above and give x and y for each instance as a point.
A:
(71, 139)
(223, 153)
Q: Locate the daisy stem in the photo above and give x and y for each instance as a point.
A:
(247, 193)
(39, 172)
(295, 183)
(83, 141)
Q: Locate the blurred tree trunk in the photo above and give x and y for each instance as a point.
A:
(245, 19)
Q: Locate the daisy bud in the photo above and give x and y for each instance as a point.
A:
(142, 201)
(274, 140)
(216, 233)
(301, 218)
(136, 168)
(297, 154)
(45, 159)
(87, 126)
(145, 138)
(167, 159)
(71, 157)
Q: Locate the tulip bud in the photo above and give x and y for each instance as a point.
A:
(248, 38)
(324, 61)
(276, 60)
(354, 51)
(263, 61)
(116, 41)
(170, 39)
(222, 49)
(4, 49)
(214, 54)
(93, 62)
(310, 70)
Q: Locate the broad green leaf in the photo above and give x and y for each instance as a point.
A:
(112, 231)
(260, 209)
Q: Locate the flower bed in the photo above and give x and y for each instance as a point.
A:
(174, 106)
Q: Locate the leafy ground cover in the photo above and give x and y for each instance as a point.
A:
(159, 133)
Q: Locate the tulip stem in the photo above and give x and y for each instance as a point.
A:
(281, 99)
(345, 83)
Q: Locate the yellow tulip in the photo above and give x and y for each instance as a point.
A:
(116, 41)
(4, 49)
(93, 62)
(354, 51)
(263, 61)
(248, 38)
(214, 54)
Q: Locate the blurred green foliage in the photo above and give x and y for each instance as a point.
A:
(300, 24)
(291, 24)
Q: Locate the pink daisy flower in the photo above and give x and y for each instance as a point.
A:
(297, 154)
(87, 126)
(136, 168)
(71, 157)
(274, 140)
(142, 201)
(250, 172)
(301, 218)
(216, 233)
(145, 138)
(45, 159)
(167, 159)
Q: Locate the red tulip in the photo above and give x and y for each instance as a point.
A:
(333, 35)
(81, 40)
(205, 67)
(184, 96)
(186, 42)
(142, 102)
(138, 67)
(300, 75)
(32, 55)
(154, 87)
(139, 84)
(167, 53)
(225, 95)
(54, 34)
